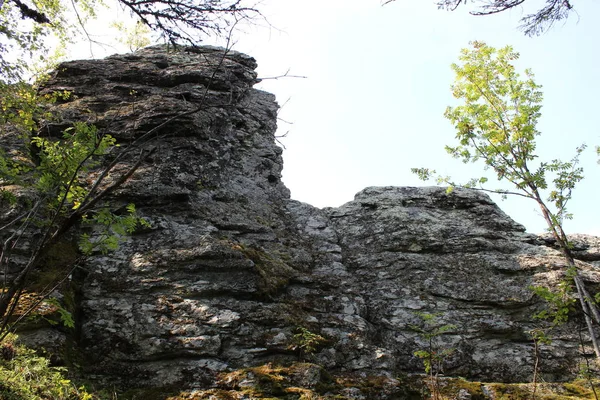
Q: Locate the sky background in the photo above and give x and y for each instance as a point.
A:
(378, 81)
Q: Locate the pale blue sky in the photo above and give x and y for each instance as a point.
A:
(378, 82)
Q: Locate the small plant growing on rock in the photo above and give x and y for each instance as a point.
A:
(559, 302)
(433, 355)
(539, 338)
(306, 343)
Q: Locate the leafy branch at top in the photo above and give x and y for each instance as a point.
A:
(497, 124)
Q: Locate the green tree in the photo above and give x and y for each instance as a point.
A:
(44, 177)
(433, 354)
(50, 197)
(496, 124)
(306, 343)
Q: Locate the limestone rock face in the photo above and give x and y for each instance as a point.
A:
(231, 270)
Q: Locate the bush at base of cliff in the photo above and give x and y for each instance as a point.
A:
(27, 376)
(459, 388)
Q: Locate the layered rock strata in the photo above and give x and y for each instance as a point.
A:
(231, 271)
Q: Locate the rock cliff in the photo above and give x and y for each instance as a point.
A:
(231, 271)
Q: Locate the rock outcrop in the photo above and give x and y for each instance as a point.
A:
(231, 271)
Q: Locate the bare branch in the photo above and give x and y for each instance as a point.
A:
(532, 24)
(286, 75)
(188, 20)
(29, 13)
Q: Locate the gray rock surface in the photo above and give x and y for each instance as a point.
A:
(230, 267)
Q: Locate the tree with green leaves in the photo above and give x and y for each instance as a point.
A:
(433, 354)
(497, 124)
(44, 199)
(45, 183)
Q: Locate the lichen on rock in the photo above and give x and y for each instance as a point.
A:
(230, 267)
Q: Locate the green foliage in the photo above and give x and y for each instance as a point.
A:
(61, 196)
(433, 358)
(306, 342)
(429, 329)
(135, 36)
(21, 107)
(26, 376)
(497, 124)
(19, 104)
(111, 229)
(32, 33)
(433, 355)
(540, 336)
(66, 318)
(60, 181)
(585, 372)
(559, 301)
(64, 163)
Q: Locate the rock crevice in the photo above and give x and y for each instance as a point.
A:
(230, 267)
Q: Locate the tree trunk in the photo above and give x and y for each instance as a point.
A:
(587, 305)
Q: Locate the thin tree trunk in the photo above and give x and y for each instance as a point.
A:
(588, 307)
(535, 365)
(587, 315)
(590, 301)
(587, 364)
